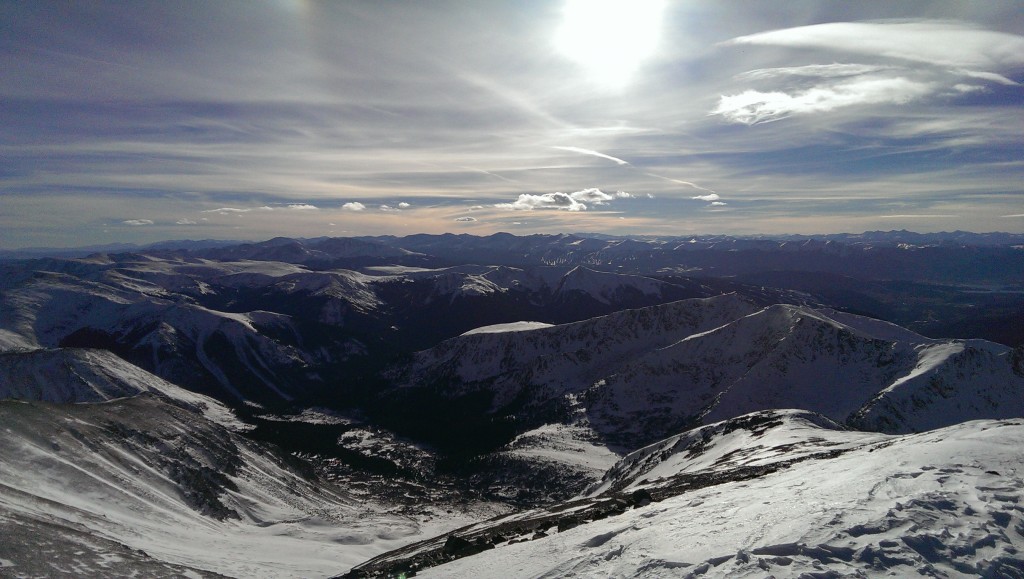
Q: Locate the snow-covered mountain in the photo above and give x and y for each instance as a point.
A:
(74, 375)
(416, 384)
(146, 486)
(151, 311)
(637, 375)
(275, 331)
(780, 493)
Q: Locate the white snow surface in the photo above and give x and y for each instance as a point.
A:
(566, 445)
(509, 327)
(946, 503)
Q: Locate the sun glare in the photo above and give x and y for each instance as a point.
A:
(610, 38)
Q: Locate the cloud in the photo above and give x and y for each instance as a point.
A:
(990, 76)
(939, 42)
(302, 207)
(353, 206)
(592, 195)
(465, 219)
(968, 88)
(951, 50)
(136, 222)
(834, 70)
(403, 205)
(476, 208)
(185, 221)
(236, 210)
(752, 107)
(592, 154)
(718, 203)
(709, 197)
(527, 202)
(577, 201)
(387, 208)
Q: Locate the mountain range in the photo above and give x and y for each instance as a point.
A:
(305, 407)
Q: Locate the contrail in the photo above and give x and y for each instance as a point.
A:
(687, 183)
(592, 154)
(619, 161)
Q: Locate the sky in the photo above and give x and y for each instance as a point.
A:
(144, 121)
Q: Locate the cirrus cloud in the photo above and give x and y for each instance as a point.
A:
(940, 42)
(951, 52)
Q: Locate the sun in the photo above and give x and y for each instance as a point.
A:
(610, 38)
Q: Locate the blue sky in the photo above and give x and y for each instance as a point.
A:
(145, 121)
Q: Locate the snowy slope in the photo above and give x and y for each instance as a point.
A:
(510, 327)
(605, 287)
(252, 355)
(72, 375)
(638, 375)
(140, 485)
(779, 494)
(566, 355)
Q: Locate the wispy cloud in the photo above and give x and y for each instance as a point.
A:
(833, 70)
(230, 210)
(137, 222)
(592, 154)
(925, 58)
(465, 219)
(185, 221)
(937, 42)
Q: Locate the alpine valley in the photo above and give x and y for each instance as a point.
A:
(575, 405)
